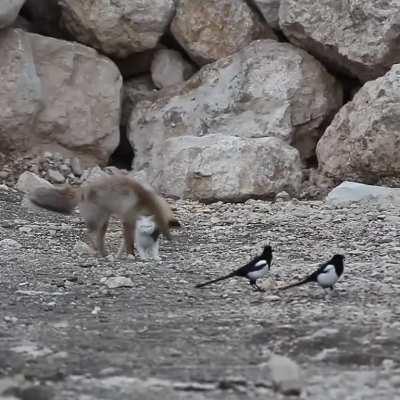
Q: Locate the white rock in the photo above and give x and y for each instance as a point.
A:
(286, 375)
(118, 281)
(352, 192)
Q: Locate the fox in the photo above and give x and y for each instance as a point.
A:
(118, 195)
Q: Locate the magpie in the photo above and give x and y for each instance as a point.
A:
(326, 275)
(253, 270)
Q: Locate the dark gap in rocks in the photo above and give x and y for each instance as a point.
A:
(123, 155)
(350, 86)
(281, 36)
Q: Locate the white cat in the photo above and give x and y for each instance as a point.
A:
(147, 238)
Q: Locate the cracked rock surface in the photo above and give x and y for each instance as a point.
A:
(65, 335)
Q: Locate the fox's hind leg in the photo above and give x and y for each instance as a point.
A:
(129, 229)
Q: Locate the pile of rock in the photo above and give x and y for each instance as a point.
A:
(220, 99)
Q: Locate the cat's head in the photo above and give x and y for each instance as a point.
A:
(146, 224)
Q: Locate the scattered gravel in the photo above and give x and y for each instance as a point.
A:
(76, 338)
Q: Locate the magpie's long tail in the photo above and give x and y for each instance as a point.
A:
(306, 280)
(222, 278)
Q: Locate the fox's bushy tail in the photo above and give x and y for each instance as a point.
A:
(61, 200)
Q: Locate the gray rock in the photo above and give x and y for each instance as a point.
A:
(118, 28)
(170, 68)
(286, 375)
(227, 98)
(55, 176)
(9, 10)
(43, 108)
(354, 192)
(362, 142)
(359, 38)
(212, 29)
(29, 181)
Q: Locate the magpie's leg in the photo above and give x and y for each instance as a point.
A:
(256, 287)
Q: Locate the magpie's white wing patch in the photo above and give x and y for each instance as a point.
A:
(260, 264)
(328, 268)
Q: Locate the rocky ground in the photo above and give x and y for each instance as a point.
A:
(65, 335)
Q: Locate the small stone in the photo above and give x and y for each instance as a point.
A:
(9, 245)
(55, 176)
(286, 375)
(282, 196)
(118, 281)
(83, 248)
(76, 167)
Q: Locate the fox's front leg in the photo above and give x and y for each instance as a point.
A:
(129, 229)
(121, 248)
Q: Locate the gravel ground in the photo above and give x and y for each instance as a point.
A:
(64, 331)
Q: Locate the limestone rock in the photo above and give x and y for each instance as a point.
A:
(212, 29)
(170, 68)
(353, 192)
(363, 141)
(57, 96)
(359, 38)
(228, 168)
(270, 11)
(227, 98)
(120, 27)
(9, 10)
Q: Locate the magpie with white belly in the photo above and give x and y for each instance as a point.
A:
(326, 275)
(253, 270)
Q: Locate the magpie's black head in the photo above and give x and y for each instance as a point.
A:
(267, 254)
(337, 259)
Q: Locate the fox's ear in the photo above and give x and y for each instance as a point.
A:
(174, 223)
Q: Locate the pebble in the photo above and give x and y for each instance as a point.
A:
(55, 176)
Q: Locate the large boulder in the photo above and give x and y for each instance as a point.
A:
(267, 89)
(270, 11)
(227, 168)
(118, 28)
(212, 29)
(358, 38)
(58, 96)
(9, 10)
(363, 141)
